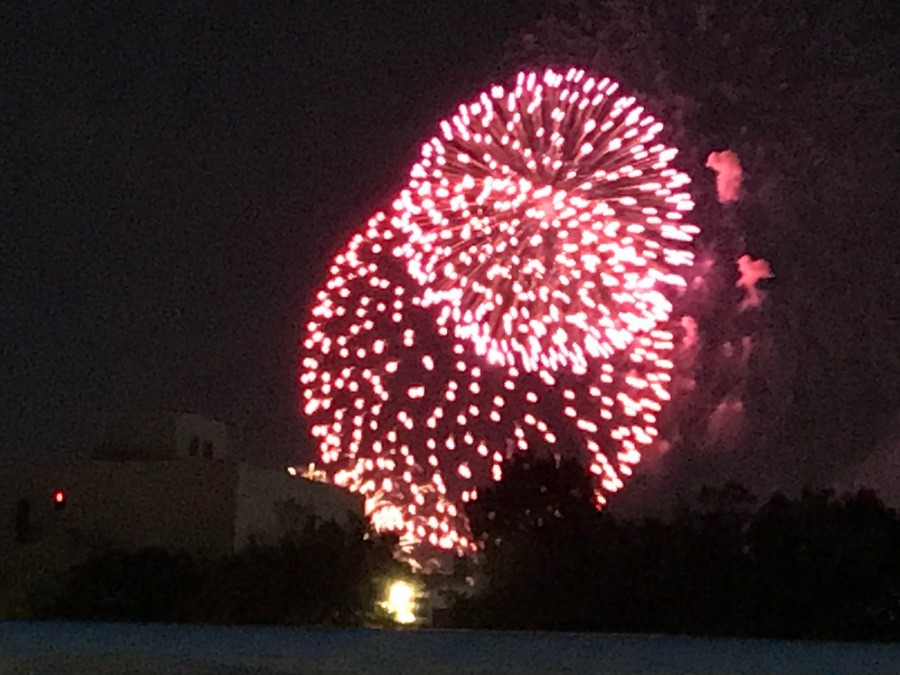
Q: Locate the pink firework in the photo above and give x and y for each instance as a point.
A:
(514, 297)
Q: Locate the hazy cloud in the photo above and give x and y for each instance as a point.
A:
(751, 272)
(727, 166)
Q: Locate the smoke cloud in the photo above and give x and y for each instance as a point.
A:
(725, 422)
(728, 170)
(689, 325)
(752, 271)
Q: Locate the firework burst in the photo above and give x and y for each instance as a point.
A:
(513, 297)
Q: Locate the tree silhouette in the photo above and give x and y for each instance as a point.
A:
(816, 566)
(322, 573)
(530, 524)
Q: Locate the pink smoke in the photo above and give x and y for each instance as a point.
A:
(751, 272)
(727, 166)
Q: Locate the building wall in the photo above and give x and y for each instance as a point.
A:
(198, 505)
(269, 504)
(165, 435)
(184, 504)
(193, 504)
(197, 436)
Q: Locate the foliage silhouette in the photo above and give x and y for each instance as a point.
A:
(321, 574)
(816, 566)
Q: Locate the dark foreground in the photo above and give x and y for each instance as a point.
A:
(62, 648)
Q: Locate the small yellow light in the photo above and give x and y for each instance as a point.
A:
(401, 602)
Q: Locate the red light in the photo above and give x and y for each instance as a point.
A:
(59, 497)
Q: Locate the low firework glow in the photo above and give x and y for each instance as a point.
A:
(401, 602)
(514, 297)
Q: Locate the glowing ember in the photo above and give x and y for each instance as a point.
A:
(513, 298)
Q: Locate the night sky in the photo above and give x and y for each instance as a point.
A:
(175, 179)
(173, 182)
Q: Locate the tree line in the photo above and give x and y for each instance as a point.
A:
(814, 566)
(322, 573)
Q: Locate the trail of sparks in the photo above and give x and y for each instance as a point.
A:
(513, 298)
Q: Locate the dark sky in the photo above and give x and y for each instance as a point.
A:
(175, 179)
